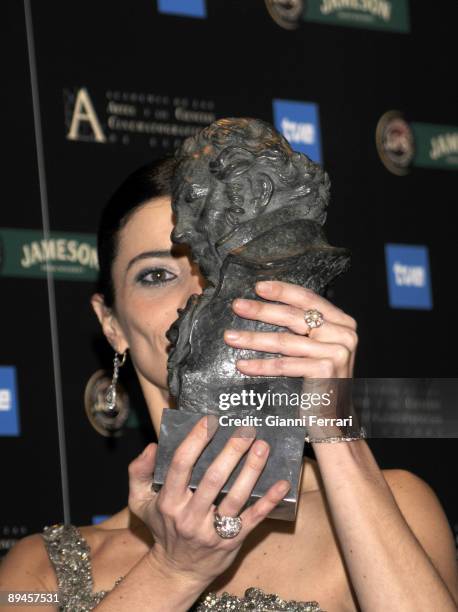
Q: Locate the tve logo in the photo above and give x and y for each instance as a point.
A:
(408, 276)
(299, 124)
(98, 518)
(9, 409)
(189, 8)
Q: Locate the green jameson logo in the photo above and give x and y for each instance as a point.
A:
(67, 256)
(436, 146)
(373, 14)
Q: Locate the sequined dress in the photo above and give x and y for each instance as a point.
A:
(70, 556)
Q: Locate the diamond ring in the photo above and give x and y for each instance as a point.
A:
(313, 318)
(227, 526)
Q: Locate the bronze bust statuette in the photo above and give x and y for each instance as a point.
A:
(250, 208)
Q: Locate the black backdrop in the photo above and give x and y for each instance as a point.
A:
(234, 62)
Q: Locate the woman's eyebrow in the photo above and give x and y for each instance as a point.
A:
(147, 255)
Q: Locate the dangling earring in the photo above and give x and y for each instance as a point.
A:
(106, 402)
(110, 396)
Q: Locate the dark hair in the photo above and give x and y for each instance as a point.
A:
(153, 180)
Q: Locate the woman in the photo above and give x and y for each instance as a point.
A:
(364, 539)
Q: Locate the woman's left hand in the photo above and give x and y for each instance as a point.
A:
(327, 352)
(378, 525)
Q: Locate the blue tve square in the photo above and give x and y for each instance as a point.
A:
(188, 8)
(409, 283)
(9, 408)
(98, 518)
(300, 125)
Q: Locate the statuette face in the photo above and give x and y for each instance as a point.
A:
(232, 173)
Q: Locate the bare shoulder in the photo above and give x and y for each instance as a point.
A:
(425, 516)
(420, 505)
(414, 495)
(27, 566)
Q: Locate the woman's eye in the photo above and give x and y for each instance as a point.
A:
(156, 276)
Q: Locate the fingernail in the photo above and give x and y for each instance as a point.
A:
(285, 487)
(243, 362)
(145, 450)
(260, 448)
(241, 303)
(245, 431)
(211, 423)
(264, 286)
(231, 335)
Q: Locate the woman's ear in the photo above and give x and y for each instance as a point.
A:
(109, 323)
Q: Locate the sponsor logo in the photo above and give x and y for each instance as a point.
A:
(84, 123)
(286, 13)
(395, 142)
(299, 124)
(437, 146)
(68, 256)
(6, 399)
(391, 15)
(9, 535)
(188, 8)
(9, 408)
(98, 518)
(135, 119)
(408, 276)
(425, 145)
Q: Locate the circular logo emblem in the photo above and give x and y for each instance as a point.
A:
(106, 422)
(395, 142)
(286, 12)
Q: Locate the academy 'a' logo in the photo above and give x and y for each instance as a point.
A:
(85, 124)
(443, 145)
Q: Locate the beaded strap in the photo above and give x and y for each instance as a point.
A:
(255, 600)
(70, 556)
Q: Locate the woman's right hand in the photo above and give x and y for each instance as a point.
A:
(182, 521)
